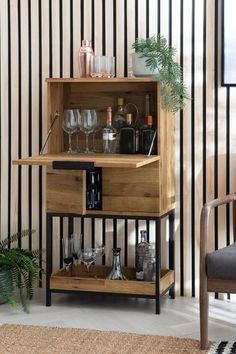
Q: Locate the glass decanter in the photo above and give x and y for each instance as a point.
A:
(116, 272)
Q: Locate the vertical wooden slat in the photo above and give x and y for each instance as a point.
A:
(187, 144)
(24, 113)
(198, 116)
(66, 37)
(130, 35)
(14, 52)
(76, 35)
(98, 27)
(176, 40)
(87, 19)
(35, 117)
(109, 27)
(4, 33)
(120, 38)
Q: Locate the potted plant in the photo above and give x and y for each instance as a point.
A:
(18, 270)
(159, 59)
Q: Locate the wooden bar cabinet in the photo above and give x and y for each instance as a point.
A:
(134, 186)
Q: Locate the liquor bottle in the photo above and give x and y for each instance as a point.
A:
(147, 136)
(141, 251)
(93, 190)
(149, 264)
(128, 137)
(147, 104)
(109, 135)
(119, 121)
(85, 58)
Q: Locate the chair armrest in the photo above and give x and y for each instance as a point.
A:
(204, 223)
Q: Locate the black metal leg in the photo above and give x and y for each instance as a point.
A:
(48, 258)
(158, 264)
(172, 249)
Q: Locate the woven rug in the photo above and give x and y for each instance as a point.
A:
(18, 339)
(223, 347)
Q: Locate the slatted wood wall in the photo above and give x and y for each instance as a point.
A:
(41, 38)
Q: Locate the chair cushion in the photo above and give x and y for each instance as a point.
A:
(222, 263)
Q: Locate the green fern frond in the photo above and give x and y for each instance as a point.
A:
(159, 55)
(19, 270)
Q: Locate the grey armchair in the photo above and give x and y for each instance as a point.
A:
(218, 268)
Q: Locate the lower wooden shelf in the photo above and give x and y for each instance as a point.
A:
(77, 279)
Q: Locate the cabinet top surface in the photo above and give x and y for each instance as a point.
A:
(98, 80)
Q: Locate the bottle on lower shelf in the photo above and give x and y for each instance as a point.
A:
(141, 250)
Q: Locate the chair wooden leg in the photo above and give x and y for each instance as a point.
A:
(204, 304)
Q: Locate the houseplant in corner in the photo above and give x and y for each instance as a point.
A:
(18, 270)
(159, 58)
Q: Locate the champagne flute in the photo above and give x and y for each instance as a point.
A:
(69, 125)
(67, 248)
(76, 246)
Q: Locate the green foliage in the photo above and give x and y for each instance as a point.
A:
(18, 271)
(159, 55)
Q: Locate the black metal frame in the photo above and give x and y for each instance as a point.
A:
(171, 216)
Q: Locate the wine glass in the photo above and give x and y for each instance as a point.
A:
(76, 246)
(96, 129)
(89, 255)
(67, 248)
(78, 119)
(69, 125)
(88, 122)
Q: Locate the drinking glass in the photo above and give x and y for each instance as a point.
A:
(89, 255)
(67, 250)
(88, 123)
(76, 246)
(78, 119)
(69, 125)
(109, 66)
(96, 129)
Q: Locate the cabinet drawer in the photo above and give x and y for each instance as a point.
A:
(66, 191)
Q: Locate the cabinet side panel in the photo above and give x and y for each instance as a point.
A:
(65, 191)
(55, 103)
(131, 189)
(166, 152)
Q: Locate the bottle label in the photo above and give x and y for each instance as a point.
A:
(109, 136)
(139, 275)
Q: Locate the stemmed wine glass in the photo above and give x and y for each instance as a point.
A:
(96, 129)
(76, 246)
(78, 119)
(89, 255)
(70, 125)
(88, 122)
(67, 250)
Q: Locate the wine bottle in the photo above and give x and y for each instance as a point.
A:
(93, 191)
(109, 135)
(119, 121)
(147, 136)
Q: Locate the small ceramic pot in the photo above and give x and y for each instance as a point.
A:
(139, 66)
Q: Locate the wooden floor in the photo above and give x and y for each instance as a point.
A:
(178, 317)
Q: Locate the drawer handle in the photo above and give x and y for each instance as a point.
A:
(72, 165)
